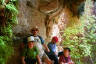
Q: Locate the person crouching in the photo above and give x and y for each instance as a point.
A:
(65, 57)
(52, 47)
(30, 54)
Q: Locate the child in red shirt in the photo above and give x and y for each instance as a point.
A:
(65, 57)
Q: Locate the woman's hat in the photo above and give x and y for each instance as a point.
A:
(34, 28)
(31, 38)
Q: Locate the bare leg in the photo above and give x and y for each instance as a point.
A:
(47, 61)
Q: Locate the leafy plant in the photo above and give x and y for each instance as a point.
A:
(6, 49)
(82, 38)
(2, 1)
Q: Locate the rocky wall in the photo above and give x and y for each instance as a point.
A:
(28, 18)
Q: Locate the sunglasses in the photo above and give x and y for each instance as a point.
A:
(35, 30)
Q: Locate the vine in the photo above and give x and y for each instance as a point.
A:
(8, 17)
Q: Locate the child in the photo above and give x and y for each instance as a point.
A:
(65, 57)
(30, 54)
(52, 47)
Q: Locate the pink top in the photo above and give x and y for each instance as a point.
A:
(64, 59)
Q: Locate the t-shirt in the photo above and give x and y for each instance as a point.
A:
(40, 48)
(37, 38)
(30, 53)
(38, 42)
(64, 59)
(52, 47)
(39, 45)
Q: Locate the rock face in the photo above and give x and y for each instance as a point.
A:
(32, 13)
(28, 18)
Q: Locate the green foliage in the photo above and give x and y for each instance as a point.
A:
(7, 31)
(6, 49)
(82, 39)
(12, 8)
(77, 44)
(2, 1)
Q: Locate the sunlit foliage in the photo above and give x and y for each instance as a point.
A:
(10, 16)
(82, 38)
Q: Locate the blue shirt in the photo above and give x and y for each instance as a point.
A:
(52, 47)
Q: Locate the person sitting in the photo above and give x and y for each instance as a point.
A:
(52, 47)
(30, 54)
(64, 57)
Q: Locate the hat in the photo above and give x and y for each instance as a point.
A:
(31, 38)
(55, 38)
(35, 28)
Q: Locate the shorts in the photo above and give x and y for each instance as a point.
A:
(30, 61)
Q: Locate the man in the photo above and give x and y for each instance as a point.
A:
(40, 44)
(65, 57)
(52, 46)
(38, 38)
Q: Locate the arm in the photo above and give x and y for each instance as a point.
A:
(38, 59)
(61, 60)
(45, 46)
(55, 53)
(23, 58)
(71, 62)
(61, 63)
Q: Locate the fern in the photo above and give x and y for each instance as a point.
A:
(6, 49)
(12, 8)
(2, 2)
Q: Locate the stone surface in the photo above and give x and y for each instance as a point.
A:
(29, 17)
